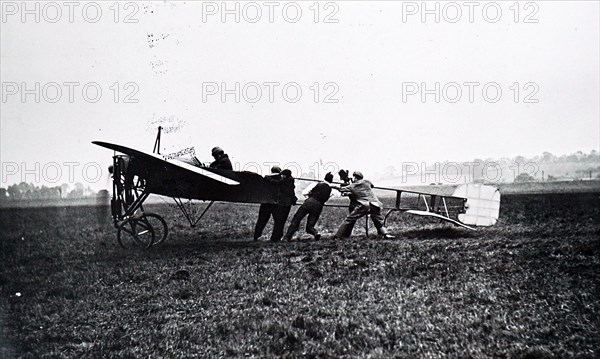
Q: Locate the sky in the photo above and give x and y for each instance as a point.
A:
(348, 84)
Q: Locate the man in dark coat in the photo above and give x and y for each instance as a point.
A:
(221, 159)
(266, 210)
(285, 199)
(313, 206)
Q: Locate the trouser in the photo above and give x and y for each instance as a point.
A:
(264, 213)
(345, 229)
(280, 215)
(313, 209)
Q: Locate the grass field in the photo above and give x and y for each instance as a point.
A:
(528, 287)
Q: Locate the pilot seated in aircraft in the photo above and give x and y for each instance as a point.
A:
(221, 159)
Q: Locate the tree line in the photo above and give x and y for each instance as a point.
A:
(29, 191)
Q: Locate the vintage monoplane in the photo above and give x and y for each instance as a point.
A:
(137, 174)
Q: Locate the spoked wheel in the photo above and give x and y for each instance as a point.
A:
(161, 231)
(135, 232)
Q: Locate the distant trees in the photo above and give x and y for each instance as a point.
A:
(520, 160)
(548, 157)
(579, 156)
(64, 190)
(77, 192)
(27, 191)
(524, 177)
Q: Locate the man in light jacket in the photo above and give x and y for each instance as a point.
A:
(368, 203)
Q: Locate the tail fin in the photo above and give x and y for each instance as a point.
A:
(482, 206)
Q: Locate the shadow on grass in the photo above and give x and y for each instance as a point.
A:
(439, 233)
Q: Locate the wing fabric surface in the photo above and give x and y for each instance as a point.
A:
(153, 156)
(174, 178)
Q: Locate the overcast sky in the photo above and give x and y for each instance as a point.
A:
(366, 64)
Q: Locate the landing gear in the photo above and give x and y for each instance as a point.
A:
(135, 228)
(142, 232)
(135, 233)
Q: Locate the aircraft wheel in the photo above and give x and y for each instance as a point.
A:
(161, 231)
(135, 233)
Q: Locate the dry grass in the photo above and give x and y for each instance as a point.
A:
(526, 288)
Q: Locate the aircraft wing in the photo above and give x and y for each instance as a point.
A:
(152, 157)
(177, 179)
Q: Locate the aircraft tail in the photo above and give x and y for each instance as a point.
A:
(483, 204)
